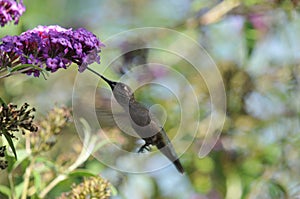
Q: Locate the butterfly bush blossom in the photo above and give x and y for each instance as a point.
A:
(10, 10)
(50, 48)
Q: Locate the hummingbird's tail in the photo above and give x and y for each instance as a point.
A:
(178, 166)
(169, 152)
(167, 149)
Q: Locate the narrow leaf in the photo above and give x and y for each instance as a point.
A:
(81, 173)
(10, 142)
(17, 68)
(2, 101)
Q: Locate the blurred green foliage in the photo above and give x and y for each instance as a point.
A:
(256, 46)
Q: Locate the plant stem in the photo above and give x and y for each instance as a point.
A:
(27, 178)
(52, 184)
(89, 145)
(16, 72)
(85, 153)
(12, 186)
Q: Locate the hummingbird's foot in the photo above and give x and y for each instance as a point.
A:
(144, 147)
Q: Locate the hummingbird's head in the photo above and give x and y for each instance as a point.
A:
(122, 93)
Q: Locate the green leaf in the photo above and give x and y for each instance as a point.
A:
(46, 162)
(11, 161)
(19, 189)
(29, 66)
(277, 190)
(22, 155)
(17, 68)
(45, 74)
(5, 190)
(81, 173)
(35, 196)
(10, 142)
(2, 101)
(43, 71)
(114, 190)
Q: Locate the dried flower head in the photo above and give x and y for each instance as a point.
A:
(10, 10)
(51, 126)
(14, 119)
(49, 48)
(93, 187)
(3, 163)
(2, 151)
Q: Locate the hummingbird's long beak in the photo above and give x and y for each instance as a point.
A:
(112, 84)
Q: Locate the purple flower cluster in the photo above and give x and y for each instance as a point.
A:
(10, 10)
(50, 48)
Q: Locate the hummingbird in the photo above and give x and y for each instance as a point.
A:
(142, 121)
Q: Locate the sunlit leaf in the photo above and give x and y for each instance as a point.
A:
(5, 190)
(19, 189)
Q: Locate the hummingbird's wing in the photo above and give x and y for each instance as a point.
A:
(139, 114)
(111, 116)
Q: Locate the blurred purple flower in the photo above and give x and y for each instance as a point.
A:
(10, 10)
(50, 48)
(259, 21)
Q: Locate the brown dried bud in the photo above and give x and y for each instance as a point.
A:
(93, 187)
(51, 126)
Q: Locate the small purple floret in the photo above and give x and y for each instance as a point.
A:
(10, 10)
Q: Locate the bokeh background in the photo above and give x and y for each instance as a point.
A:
(255, 45)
